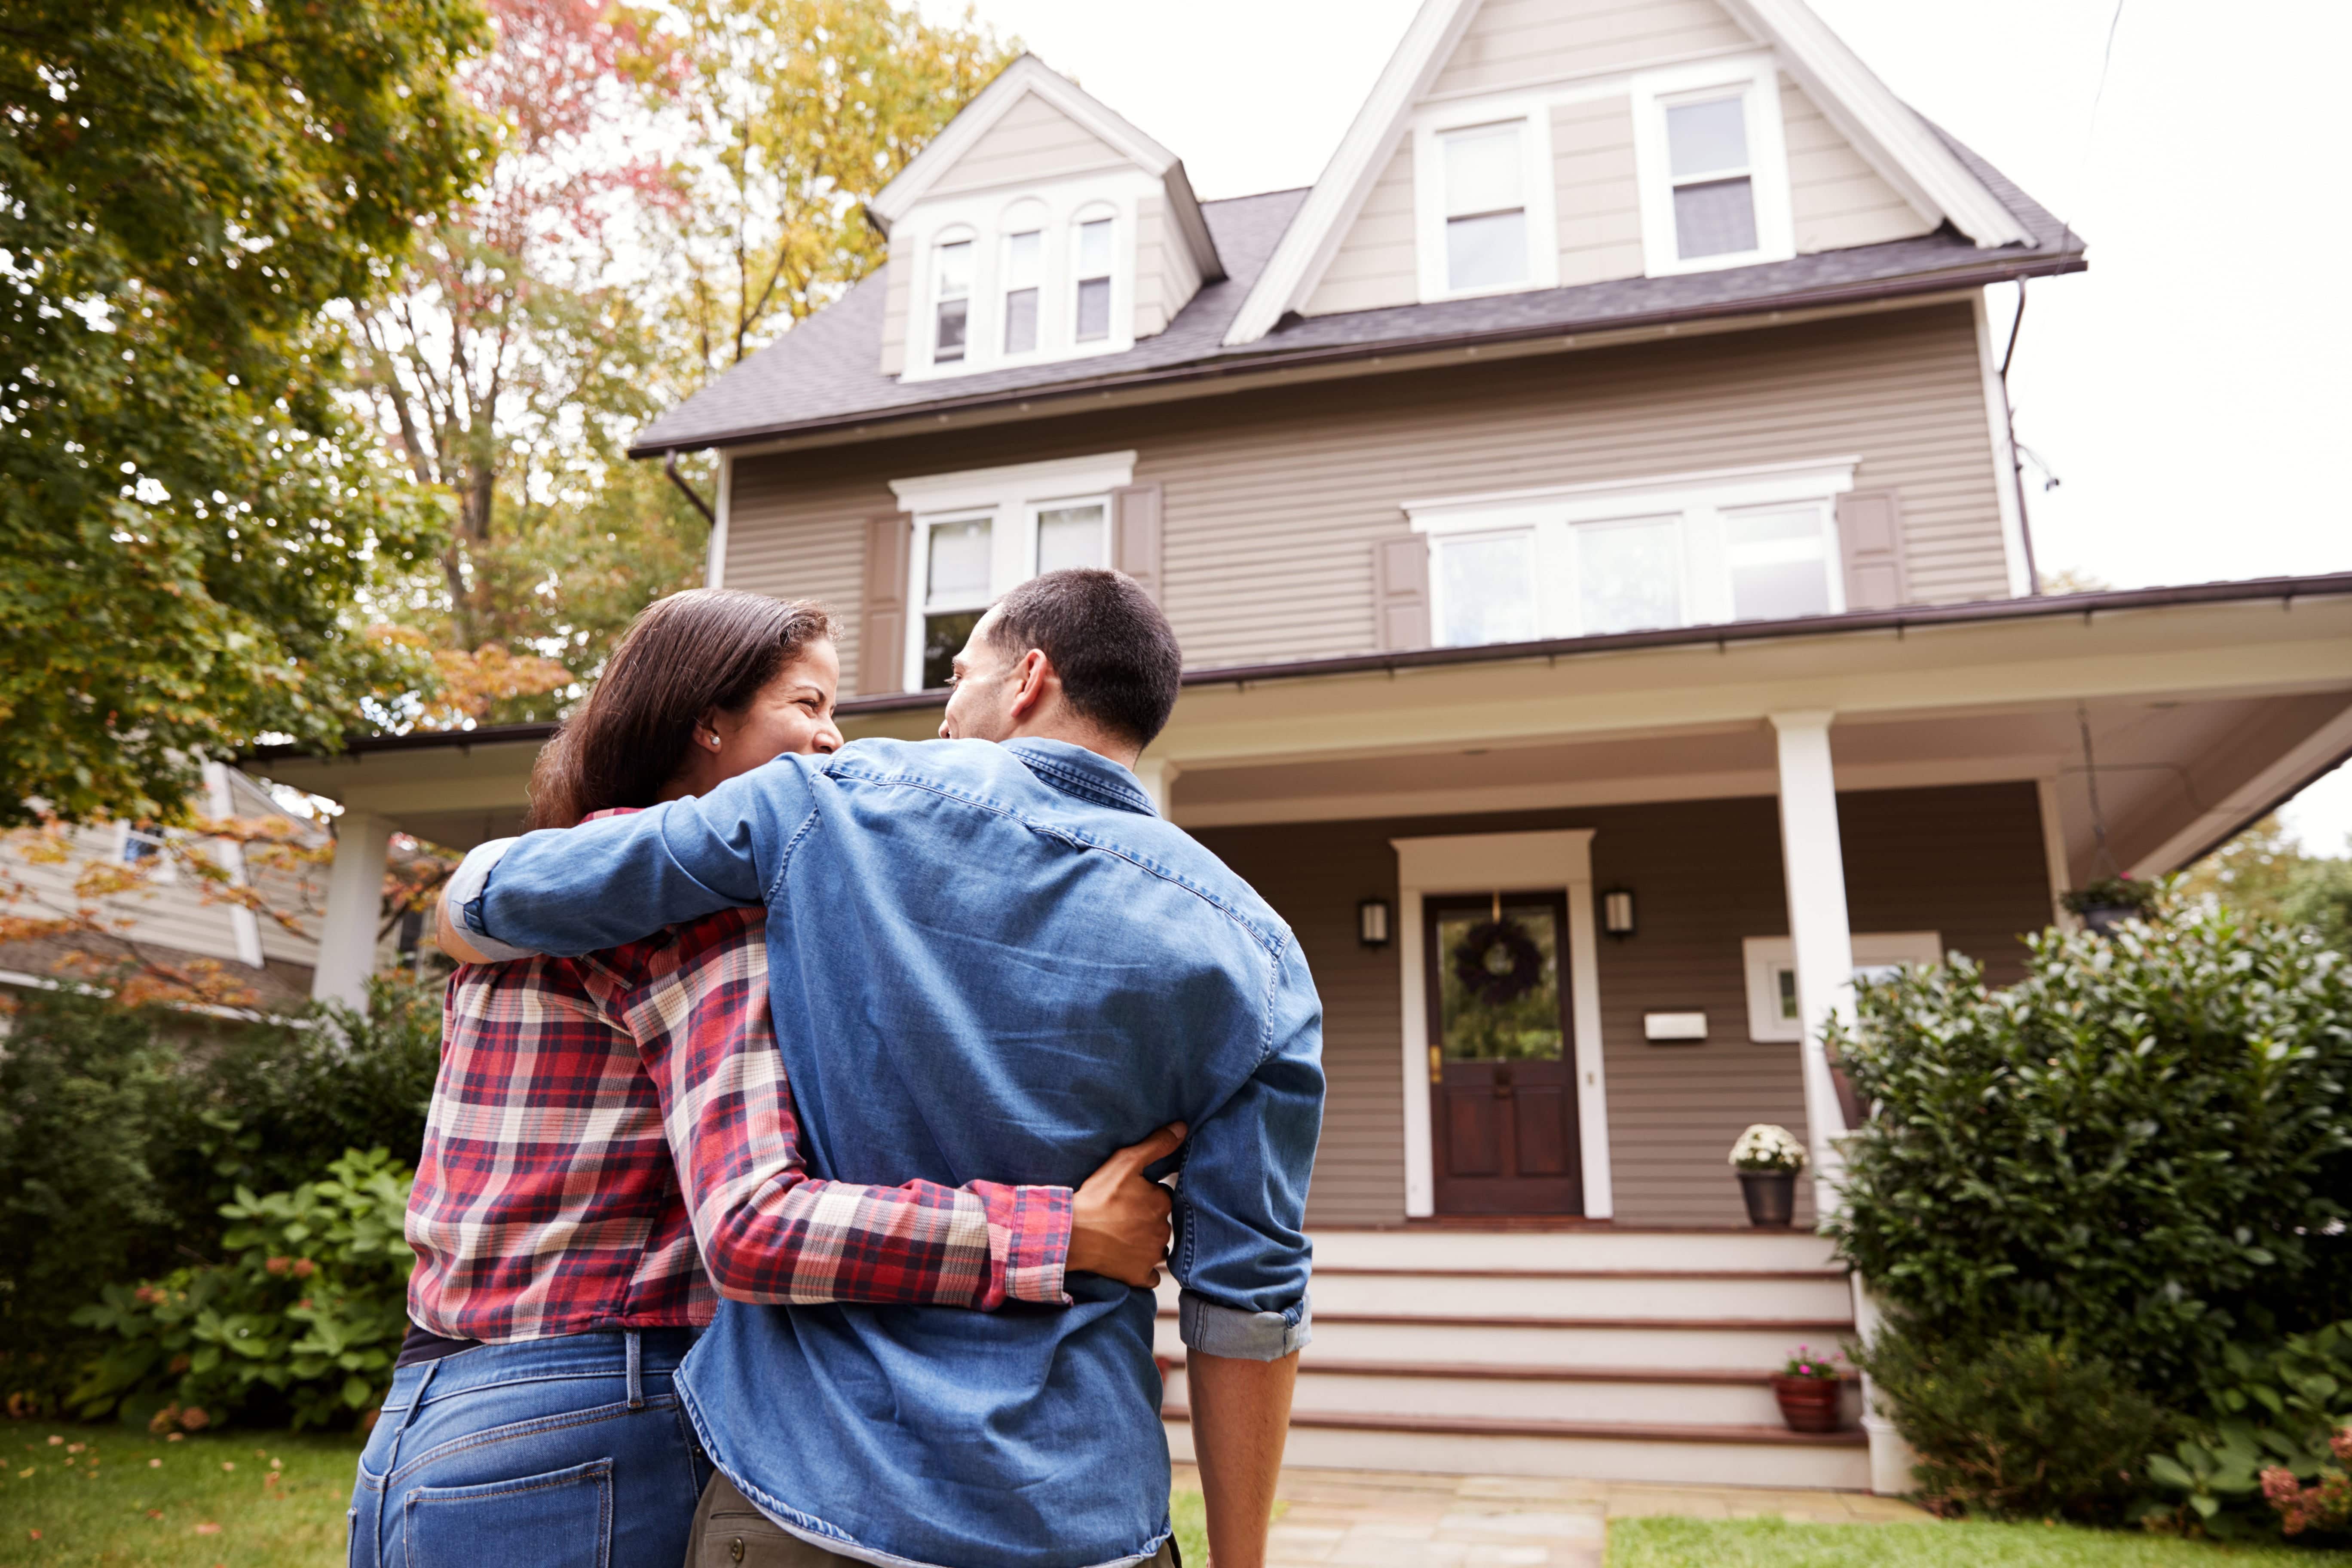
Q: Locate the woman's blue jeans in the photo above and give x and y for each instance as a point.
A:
(565, 1453)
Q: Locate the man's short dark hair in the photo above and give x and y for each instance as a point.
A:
(1116, 653)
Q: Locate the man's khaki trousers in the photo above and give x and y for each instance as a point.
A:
(728, 1530)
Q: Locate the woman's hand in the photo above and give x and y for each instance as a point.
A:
(1118, 1224)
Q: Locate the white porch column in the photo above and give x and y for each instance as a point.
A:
(1157, 777)
(1814, 864)
(1892, 1458)
(354, 909)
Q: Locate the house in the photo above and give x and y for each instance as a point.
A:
(1591, 517)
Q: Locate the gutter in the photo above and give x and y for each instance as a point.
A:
(1233, 366)
(2286, 590)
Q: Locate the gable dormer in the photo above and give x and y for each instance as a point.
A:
(1525, 144)
(1037, 226)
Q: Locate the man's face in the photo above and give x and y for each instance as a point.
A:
(979, 705)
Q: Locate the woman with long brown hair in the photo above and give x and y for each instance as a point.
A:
(611, 1145)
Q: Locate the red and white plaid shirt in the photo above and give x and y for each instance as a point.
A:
(604, 1126)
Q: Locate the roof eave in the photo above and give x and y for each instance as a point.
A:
(1978, 271)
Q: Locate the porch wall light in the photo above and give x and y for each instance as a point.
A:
(1372, 922)
(1617, 912)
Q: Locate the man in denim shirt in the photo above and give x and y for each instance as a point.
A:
(990, 962)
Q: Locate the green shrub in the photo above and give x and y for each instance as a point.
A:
(304, 1319)
(124, 1131)
(2144, 1150)
(2277, 1411)
(2020, 1428)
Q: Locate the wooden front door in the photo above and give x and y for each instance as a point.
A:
(1502, 1082)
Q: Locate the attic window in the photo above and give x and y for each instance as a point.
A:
(1024, 255)
(1715, 199)
(1093, 280)
(952, 271)
(1485, 209)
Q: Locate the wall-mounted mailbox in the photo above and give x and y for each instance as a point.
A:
(1674, 1026)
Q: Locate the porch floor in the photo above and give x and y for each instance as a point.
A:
(1366, 1519)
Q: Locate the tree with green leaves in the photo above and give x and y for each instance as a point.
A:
(2266, 871)
(187, 514)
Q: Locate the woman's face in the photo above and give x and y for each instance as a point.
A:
(793, 713)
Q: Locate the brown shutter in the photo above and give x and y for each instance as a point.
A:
(1135, 534)
(882, 620)
(1869, 533)
(1401, 590)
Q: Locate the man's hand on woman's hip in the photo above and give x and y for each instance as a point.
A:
(1118, 1222)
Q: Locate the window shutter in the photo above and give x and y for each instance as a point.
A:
(1135, 534)
(1400, 586)
(882, 619)
(1869, 533)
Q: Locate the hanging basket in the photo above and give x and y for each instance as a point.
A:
(1496, 962)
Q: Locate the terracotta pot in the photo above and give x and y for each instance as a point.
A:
(1771, 1197)
(1808, 1403)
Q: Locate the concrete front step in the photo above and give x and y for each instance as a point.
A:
(1808, 1295)
(1722, 1456)
(1415, 1250)
(1609, 1396)
(1686, 1345)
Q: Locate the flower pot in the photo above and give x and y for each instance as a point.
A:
(1771, 1197)
(2106, 917)
(1808, 1403)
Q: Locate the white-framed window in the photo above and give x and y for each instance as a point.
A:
(982, 532)
(1483, 199)
(1712, 160)
(142, 847)
(1091, 269)
(1591, 560)
(951, 266)
(1024, 277)
(1770, 962)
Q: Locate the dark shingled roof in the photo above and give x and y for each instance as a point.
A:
(825, 374)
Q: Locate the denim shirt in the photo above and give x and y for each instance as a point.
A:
(988, 962)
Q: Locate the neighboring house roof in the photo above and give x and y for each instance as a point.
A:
(1031, 76)
(825, 374)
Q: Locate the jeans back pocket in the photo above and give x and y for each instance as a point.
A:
(560, 1519)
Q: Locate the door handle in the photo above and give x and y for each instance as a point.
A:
(1436, 1065)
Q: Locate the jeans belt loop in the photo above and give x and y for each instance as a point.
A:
(637, 1374)
(415, 1404)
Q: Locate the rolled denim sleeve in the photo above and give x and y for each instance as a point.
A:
(581, 889)
(1242, 1255)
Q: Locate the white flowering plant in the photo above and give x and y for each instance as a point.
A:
(1765, 1147)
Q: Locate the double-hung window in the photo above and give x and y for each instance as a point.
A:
(1590, 561)
(1024, 255)
(1708, 161)
(958, 562)
(952, 294)
(1486, 207)
(1093, 274)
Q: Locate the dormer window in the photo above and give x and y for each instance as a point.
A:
(1707, 156)
(1093, 274)
(951, 287)
(1024, 257)
(1485, 207)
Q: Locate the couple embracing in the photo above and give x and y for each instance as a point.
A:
(790, 1192)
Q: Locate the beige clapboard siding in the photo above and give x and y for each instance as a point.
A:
(1373, 268)
(1033, 141)
(894, 316)
(1273, 501)
(1963, 861)
(1166, 276)
(1598, 197)
(1836, 198)
(165, 914)
(1522, 43)
(299, 893)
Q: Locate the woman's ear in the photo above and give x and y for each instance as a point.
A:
(708, 734)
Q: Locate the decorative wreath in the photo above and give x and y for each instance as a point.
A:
(1497, 964)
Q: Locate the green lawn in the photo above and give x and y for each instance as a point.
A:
(108, 1495)
(89, 1495)
(1772, 1543)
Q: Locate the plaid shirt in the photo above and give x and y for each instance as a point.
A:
(604, 1127)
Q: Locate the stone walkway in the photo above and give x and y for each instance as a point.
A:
(1380, 1519)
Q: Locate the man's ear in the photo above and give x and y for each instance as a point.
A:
(1036, 681)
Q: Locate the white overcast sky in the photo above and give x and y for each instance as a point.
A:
(2192, 392)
